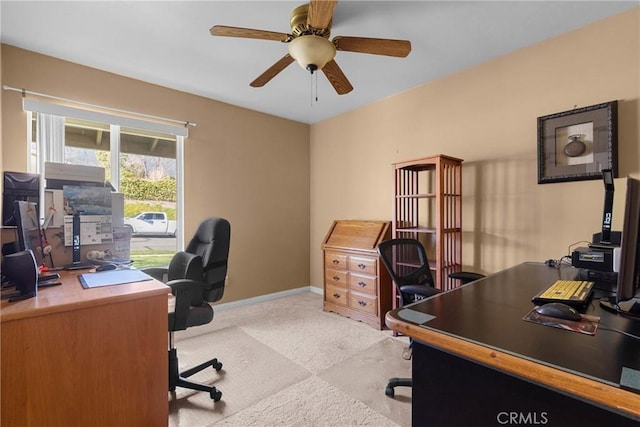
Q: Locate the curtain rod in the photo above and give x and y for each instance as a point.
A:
(44, 95)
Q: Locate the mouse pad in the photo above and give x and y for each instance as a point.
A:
(588, 325)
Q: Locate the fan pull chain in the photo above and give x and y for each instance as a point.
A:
(314, 78)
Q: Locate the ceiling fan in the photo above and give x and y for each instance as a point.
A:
(309, 44)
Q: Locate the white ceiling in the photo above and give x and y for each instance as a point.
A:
(168, 43)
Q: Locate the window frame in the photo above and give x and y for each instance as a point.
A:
(115, 122)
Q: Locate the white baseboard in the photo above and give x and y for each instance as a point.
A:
(316, 290)
(192, 332)
(267, 297)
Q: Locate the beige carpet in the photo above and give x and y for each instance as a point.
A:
(288, 363)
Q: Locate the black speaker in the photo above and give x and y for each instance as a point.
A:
(18, 186)
(21, 269)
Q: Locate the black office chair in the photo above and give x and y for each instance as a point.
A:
(407, 264)
(196, 277)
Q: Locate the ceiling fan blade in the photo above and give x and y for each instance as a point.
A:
(337, 78)
(224, 31)
(272, 71)
(389, 47)
(321, 13)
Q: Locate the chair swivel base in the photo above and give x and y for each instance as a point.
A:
(396, 382)
(179, 379)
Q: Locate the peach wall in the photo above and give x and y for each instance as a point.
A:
(249, 167)
(486, 115)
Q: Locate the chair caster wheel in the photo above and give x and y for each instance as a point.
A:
(216, 365)
(215, 394)
(389, 391)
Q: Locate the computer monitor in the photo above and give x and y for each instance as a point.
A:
(627, 300)
(29, 231)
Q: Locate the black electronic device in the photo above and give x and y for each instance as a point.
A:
(606, 239)
(597, 259)
(607, 216)
(604, 280)
(627, 300)
(559, 311)
(602, 254)
(76, 263)
(20, 269)
(18, 186)
(75, 244)
(106, 267)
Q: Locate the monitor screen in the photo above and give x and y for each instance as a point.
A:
(629, 274)
(28, 227)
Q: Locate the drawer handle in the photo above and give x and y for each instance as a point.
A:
(362, 303)
(336, 278)
(335, 261)
(336, 296)
(362, 284)
(362, 266)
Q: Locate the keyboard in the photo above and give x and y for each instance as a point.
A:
(572, 292)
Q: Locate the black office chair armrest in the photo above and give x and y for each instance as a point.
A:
(188, 293)
(420, 290)
(194, 288)
(466, 276)
(157, 273)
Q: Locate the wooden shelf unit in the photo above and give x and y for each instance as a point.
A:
(356, 284)
(427, 206)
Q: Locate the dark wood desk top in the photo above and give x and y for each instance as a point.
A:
(483, 322)
(70, 295)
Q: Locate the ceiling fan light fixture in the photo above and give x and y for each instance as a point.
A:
(312, 52)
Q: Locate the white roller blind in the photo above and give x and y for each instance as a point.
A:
(65, 111)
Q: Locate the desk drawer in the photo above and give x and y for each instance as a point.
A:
(335, 295)
(365, 303)
(335, 260)
(363, 265)
(362, 283)
(336, 278)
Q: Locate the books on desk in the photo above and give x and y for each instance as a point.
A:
(112, 277)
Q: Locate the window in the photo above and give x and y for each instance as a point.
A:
(139, 161)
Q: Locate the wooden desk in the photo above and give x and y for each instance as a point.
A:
(80, 357)
(475, 360)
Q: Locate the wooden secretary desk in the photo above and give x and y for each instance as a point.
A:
(356, 283)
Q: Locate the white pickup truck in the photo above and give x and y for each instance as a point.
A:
(151, 223)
